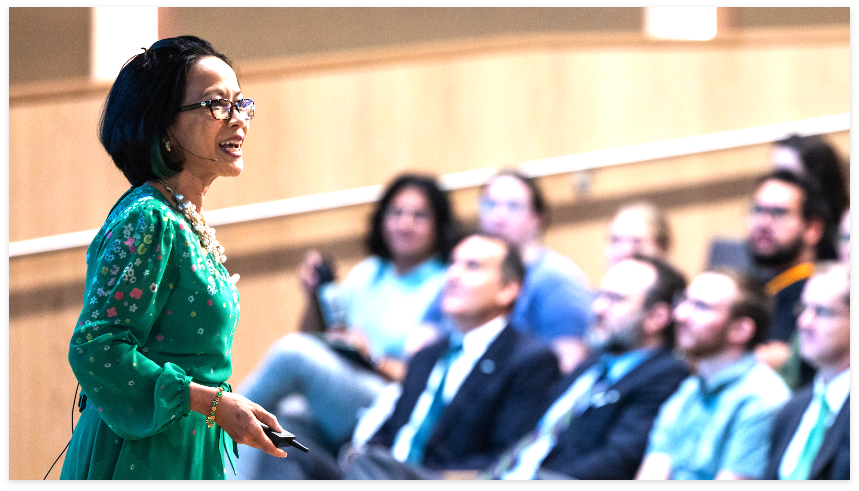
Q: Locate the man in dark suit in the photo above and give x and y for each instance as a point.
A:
(594, 422)
(811, 435)
(487, 375)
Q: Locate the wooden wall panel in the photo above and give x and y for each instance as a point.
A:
(358, 124)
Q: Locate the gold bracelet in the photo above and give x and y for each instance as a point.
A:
(210, 419)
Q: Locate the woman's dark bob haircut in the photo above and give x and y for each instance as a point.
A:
(447, 230)
(143, 103)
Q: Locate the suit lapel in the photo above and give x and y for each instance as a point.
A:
(416, 380)
(622, 385)
(486, 367)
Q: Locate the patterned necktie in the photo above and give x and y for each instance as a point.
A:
(510, 459)
(812, 444)
(416, 451)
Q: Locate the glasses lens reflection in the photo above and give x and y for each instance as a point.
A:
(223, 108)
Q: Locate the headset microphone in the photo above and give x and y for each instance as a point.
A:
(204, 158)
(195, 155)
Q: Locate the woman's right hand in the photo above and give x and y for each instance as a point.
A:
(238, 416)
(241, 418)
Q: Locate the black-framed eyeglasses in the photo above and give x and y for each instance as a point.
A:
(775, 213)
(223, 108)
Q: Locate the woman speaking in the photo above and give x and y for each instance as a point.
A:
(152, 346)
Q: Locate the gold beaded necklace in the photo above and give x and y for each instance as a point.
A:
(205, 233)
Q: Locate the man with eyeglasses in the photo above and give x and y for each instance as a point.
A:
(594, 422)
(785, 226)
(811, 435)
(718, 423)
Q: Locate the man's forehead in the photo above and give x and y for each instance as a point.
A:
(712, 287)
(630, 224)
(479, 249)
(830, 286)
(507, 187)
(629, 276)
(783, 193)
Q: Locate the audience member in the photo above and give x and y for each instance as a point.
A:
(843, 245)
(717, 425)
(813, 158)
(638, 228)
(468, 396)
(384, 297)
(811, 435)
(785, 226)
(595, 421)
(554, 304)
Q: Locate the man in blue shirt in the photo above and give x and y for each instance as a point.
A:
(717, 425)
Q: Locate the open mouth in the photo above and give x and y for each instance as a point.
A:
(231, 146)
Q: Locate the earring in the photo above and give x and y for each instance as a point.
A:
(167, 145)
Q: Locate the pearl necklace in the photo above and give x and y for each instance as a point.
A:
(205, 233)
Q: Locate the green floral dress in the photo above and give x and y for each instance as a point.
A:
(158, 313)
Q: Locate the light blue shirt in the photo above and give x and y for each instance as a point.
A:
(723, 423)
(382, 303)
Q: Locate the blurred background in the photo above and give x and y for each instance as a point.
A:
(603, 105)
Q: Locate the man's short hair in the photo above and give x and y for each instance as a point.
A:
(752, 301)
(512, 265)
(813, 205)
(669, 284)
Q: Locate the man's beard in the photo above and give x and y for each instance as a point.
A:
(616, 342)
(781, 256)
(705, 348)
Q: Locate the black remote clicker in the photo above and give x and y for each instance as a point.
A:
(283, 439)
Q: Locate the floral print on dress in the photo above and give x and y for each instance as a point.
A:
(141, 335)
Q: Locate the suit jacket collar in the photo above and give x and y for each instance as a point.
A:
(496, 352)
(565, 383)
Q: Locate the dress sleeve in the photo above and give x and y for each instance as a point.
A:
(130, 273)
